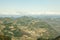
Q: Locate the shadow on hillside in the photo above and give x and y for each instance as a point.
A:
(2, 37)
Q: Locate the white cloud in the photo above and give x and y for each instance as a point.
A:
(29, 12)
(53, 13)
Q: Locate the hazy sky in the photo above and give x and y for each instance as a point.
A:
(29, 7)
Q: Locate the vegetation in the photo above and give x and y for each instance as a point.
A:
(27, 28)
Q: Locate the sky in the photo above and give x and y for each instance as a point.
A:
(29, 7)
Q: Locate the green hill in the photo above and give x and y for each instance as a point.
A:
(27, 28)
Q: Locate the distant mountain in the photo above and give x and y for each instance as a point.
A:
(36, 16)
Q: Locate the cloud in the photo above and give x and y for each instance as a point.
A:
(7, 13)
(53, 12)
(29, 13)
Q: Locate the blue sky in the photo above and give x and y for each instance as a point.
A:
(29, 7)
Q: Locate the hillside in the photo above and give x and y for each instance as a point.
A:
(29, 28)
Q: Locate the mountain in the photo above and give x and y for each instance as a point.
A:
(30, 28)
